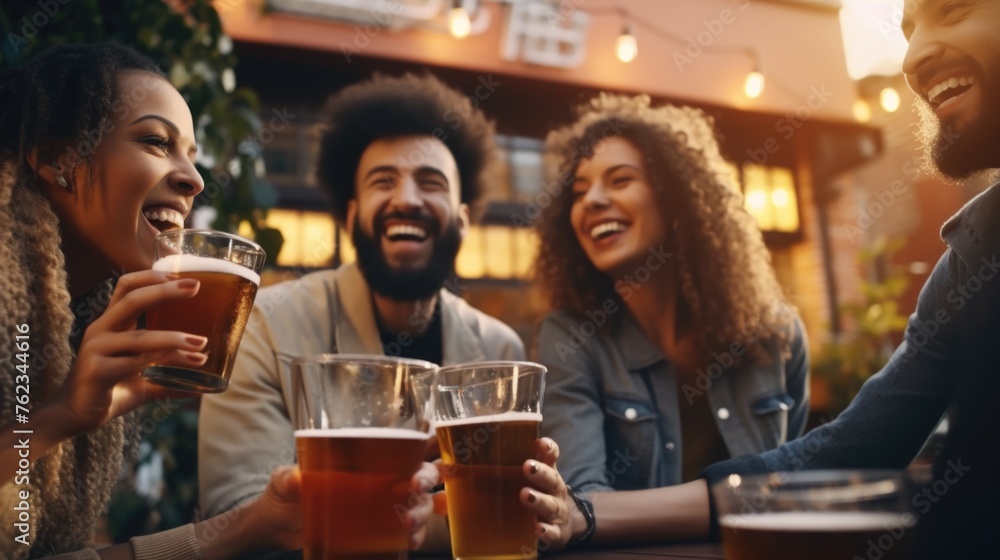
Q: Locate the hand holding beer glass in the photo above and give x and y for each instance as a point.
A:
(360, 439)
(487, 417)
(228, 268)
(820, 515)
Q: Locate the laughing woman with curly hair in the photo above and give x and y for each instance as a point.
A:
(671, 345)
(94, 141)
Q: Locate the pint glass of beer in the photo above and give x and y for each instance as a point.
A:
(228, 268)
(360, 439)
(487, 417)
(819, 515)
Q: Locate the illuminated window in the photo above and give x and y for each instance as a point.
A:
(497, 252)
(308, 237)
(769, 195)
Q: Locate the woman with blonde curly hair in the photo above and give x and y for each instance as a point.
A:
(671, 345)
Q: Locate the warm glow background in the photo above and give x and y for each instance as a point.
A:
(873, 41)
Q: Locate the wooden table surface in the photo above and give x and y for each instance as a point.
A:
(686, 551)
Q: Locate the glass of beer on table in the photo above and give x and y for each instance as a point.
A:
(487, 417)
(228, 268)
(360, 438)
(819, 515)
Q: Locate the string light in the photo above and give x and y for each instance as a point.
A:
(889, 99)
(753, 86)
(459, 23)
(627, 48)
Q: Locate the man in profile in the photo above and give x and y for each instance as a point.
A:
(401, 177)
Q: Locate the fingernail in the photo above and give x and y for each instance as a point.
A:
(197, 358)
(534, 467)
(171, 276)
(550, 445)
(532, 497)
(542, 530)
(198, 341)
(187, 284)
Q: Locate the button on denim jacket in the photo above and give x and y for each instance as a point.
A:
(611, 402)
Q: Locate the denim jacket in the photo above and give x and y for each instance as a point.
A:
(611, 402)
(896, 409)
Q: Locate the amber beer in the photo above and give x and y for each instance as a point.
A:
(483, 459)
(219, 312)
(815, 535)
(355, 491)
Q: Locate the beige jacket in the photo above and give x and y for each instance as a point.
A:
(246, 432)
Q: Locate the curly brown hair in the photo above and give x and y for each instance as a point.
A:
(389, 107)
(728, 290)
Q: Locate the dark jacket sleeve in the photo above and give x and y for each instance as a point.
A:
(896, 409)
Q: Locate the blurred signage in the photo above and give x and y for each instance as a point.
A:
(544, 33)
(387, 13)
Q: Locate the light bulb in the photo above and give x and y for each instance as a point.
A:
(889, 99)
(862, 110)
(458, 23)
(627, 47)
(754, 84)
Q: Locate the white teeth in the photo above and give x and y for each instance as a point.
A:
(601, 229)
(950, 83)
(165, 215)
(414, 231)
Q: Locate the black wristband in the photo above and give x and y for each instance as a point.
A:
(586, 507)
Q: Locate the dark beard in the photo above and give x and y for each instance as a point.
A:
(407, 285)
(961, 154)
(953, 155)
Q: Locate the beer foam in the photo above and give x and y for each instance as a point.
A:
(505, 417)
(372, 433)
(194, 263)
(819, 521)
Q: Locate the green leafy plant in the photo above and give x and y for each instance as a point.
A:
(846, 363)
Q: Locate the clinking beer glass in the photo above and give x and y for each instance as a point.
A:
(360, 439)
(228, 268)
(487, 416)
